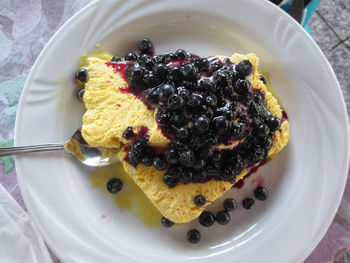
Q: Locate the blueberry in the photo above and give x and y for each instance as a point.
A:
(194, 101)
(182, 133)
(208, 112)
(128, 133)
(180, 146)
(80, 94)
(187, 158)
(229, 92)
(244, 68)
(183, 92)
(230, 204)
(170, 57)
(189, 71)
(186, 176)
(145, 46)
(260, 193)
(215, 65)
(151, 96)
(243, 87)
(204, 84)
(221, 125)
(159, 163)
(258, 154)
(148, 62)
(273, 123)
(216, 157)
(175, 170)
(171, 180)
(175, 102)
(199, 165)
(222, 217)
(211, 100)
(257, 98)
(130, 57)
(147, 160)
(171, 156)
(206, 218)
(238, 130)
(165, 91)
(151, 80)
(181, 54)
(161, 70)
(116, 58)
(202, 124)
(220, 78)
(262, 79)
(202, 64)
(114, 185)
(134, 159)
(206, 153)
(193, 236)
(199, 176)
(247, 203)
(175, 74)
(81, 74)
(199, 200)
(166, 222)
(262, 131)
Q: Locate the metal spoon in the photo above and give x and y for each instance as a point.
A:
(77, 146)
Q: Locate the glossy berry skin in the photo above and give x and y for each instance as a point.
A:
(187, 158)
(182, 133)
(128, 133)
(260, 193)
(81, 74)
(171, 180)
(165, 91)
(175, 74)
(181, 54)
(262, 79)
(160, 70)
(171, 156)
(199, 200)
(175, 102)
(130, 57)
(80, 94)
(194, 101)
(166, 222)
(116, 58)
(273, 123)
(202, 124)
(222, 217)
(193, 236)
(134, 160)
(244, 68)
(206, 218)
(230, 204)
(114, 185)
(147, 160)
(221, 125)
(262, 131)
(247, 203)
(159, 163)
(145, 46)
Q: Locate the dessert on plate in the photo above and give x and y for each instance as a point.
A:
(188, 128)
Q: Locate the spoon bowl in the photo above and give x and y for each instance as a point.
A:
(77, 146)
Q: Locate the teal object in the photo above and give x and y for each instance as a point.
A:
(308, 11)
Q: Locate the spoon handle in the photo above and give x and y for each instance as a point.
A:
(5, 151)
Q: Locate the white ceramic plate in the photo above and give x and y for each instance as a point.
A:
(305, 181)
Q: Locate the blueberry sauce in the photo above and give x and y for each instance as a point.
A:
(217, 123)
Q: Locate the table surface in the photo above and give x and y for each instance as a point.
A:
(25, 29)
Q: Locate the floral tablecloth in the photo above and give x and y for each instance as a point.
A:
(26, 26)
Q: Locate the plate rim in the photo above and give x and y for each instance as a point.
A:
(64, 26)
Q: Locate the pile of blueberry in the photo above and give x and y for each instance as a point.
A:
(201, 103)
